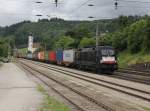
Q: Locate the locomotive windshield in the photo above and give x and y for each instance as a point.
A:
(107, 52)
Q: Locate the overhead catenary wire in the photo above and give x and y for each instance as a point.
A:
(124, 6)
(133, 1)
(77, 8)
(117, 3)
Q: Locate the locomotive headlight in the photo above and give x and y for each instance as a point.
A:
(108, 60)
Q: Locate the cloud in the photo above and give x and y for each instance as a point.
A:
(13, 11)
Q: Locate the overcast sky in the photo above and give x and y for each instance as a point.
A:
(13, 11)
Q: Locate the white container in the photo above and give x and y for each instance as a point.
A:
(68, 56)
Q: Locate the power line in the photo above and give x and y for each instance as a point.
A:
(80, 6)
(132, 6)
(133, 1)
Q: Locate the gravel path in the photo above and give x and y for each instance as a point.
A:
(17, 91)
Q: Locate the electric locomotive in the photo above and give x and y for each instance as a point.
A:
(101, 59)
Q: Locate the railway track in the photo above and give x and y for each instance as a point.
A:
(135, 71)
(133, 75)
(140, 77)
(83, 104)
(145, 95)
(87, 96)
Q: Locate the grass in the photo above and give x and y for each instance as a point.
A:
(146, 109)
(51, 104)
(0, 64)
(126, 59)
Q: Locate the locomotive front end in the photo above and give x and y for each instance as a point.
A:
(107, 60)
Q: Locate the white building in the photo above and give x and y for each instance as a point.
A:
(30, 44)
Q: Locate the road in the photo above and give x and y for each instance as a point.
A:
(17, 91)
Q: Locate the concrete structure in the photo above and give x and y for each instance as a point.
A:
(17, 91)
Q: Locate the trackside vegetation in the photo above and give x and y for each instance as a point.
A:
(5, 46)
(126, 59)
(134, 38)
(132, 42)
(0, 63)
(51, 104)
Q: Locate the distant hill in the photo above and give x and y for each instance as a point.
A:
(51, 31)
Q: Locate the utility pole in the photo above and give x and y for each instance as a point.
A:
(9, 50)
(97, 34)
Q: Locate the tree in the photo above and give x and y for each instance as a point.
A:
(136, 35)
(87, 42)
(3, 48)
(64, 43)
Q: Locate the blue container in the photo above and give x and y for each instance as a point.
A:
(29, 56)
(59, 56)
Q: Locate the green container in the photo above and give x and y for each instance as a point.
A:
(46, 56)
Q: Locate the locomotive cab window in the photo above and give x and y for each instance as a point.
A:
(107, 52)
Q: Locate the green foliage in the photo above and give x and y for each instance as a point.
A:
(87, 42)
(64, 43)
(6, 45)
(126, 59)
(136, 35)
(3, 48)
(134, 38)
(49, 31)
(58, 33)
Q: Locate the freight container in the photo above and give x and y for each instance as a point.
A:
(41, 56)
(35, 56)
(52, 56)
(29, 55)
(68, 57)
(46, 56)
(59, 56)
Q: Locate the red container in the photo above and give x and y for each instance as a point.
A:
(41, 56)
(52, 56)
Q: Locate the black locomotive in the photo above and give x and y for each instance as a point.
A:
(101, 59)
